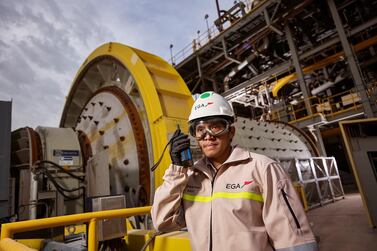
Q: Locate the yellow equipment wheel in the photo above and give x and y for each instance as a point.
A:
(128, 102)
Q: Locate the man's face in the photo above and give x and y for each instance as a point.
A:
(214, 137)
(216, 148)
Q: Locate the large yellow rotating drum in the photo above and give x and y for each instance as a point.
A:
(127, 103)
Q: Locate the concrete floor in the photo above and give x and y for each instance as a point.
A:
(343, 226)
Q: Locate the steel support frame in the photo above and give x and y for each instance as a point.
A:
(227, 32)
(286, 65)
(320, 144)
(269, 25)
(198, 63)
(296, 63)
(351, 59)
(304, 182)
(324, 163)
(297, 165)
(316, 181)
(328, 178)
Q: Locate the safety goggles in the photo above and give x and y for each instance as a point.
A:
(214, 127)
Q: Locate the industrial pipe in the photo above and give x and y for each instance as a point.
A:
(33, 201)
(247, 61)
(326, 85)
(331, 59)
(323, 87)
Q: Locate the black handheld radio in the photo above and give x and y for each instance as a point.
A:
(186, 156)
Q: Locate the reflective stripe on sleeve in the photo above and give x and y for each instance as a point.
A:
(304, 247)
(223, 195)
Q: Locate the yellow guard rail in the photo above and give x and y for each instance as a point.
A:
(9, 229)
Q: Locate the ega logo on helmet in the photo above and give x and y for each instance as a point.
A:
(202, 105)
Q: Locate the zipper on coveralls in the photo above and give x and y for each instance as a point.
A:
(290, 208)
(210, 226)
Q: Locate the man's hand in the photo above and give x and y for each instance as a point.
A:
(179, 143)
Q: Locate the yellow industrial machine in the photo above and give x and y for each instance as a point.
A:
(122, 108)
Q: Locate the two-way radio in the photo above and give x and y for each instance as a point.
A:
(186, 156)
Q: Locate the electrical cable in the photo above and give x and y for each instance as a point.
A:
(163, 152)
(146, 244)
(52, 179)
(23, 206)
(38, 162)
(61, 189)
(68, 197)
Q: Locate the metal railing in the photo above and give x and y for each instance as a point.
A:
(196, 44)
(9, 229)
(328, 107)
(208, 35)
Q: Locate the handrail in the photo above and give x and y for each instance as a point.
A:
(208, 35)
(9, 229)
(327, 105)
(196, 43)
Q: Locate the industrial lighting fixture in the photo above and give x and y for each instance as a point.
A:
(171, 54)
(198, 32)
(208, 31)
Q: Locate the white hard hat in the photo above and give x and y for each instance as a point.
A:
(211, 104)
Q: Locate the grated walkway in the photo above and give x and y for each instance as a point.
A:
(343, 226)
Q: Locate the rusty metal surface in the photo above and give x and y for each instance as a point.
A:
(86, 149)
(111, 122)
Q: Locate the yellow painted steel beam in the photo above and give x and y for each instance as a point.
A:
(178, 240)
(92, 238)
(320, 64)
(136, 239)
(166, 98)
(8, 244)
(32, 243)
(346, 139)
(8, 229)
